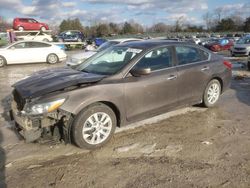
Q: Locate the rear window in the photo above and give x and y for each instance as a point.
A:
(23, 20)
(187, 55)
(39, 45)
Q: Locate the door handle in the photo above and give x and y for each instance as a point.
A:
(172, 77)
(205, 68)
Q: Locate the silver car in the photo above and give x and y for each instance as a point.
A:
(242, 47)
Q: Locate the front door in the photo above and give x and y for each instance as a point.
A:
(152, 93)
(18, 53)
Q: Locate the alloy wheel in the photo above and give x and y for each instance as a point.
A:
(97, 128)
(52, 58)
(213, 93)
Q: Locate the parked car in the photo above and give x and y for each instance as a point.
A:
(241, 47)
(71, 36)
(219, 45)
(37, 36)
(31, 52)
(99, 41)
(78, 58)
(123, 84)
(22, 24)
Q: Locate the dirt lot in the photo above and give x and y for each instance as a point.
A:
(193, 147)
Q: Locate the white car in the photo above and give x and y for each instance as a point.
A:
(78, 58)
(37, 36)
(31, 52)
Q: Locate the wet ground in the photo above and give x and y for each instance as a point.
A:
(191, 147)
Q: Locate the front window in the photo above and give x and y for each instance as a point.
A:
(156, 59)
(109, 61)
(20, 45)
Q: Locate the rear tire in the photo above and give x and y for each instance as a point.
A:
(94, 126)
(52, 59)
(212, 93)
(3, 61)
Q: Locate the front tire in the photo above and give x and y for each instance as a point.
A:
(20, 28)
(52, 59)
(94, 126)
(43, 29)
(212, 93)
(2, 61)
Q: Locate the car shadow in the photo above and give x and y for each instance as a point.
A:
(2, 163)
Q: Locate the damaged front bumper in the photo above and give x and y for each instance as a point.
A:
(34, 127)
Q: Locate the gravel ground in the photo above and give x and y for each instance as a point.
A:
(191, 147)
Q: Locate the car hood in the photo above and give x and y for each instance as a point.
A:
(84, 55)
(241, 45)
(47, 81)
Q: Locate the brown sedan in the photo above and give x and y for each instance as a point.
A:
(123, 84)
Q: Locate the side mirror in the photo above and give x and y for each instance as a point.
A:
(137, 72)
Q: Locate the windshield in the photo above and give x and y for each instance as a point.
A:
(109, 61)
(244, 41)
(106, 45)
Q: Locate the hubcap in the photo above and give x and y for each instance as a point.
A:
(52, 59)
(213, 93)
(97, 128)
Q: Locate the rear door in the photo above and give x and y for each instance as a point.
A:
(34, 25)
(152, 93)
(193, 72)
(39, 52)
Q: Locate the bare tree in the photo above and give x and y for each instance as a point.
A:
(219, 14)
(179, 23)
(208, 18)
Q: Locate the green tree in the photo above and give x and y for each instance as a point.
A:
(247, 25)
(71, 24)
(226, 24)
(102, 30)
(114, 28)
(127, 28)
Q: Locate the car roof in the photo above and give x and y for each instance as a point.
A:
(25, 18)
(146, 44)
(125, 40)
(31, 41)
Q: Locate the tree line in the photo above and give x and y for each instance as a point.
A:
(214, 22)
(227, 24)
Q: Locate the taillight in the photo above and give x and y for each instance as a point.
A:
(228, 64)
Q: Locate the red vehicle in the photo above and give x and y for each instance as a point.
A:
(220, 45)
(22, 24)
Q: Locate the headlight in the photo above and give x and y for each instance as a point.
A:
(45, 107)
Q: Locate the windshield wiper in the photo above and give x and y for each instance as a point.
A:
(85, 71)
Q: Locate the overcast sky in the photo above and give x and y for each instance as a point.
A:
(146, 12)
